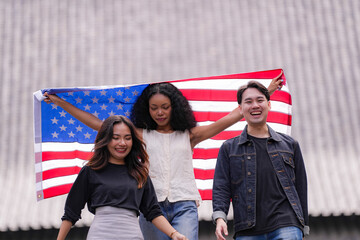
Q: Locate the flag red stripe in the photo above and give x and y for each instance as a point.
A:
(267, 74)
(206, 194)
(60, 172)
(200, 153)
(274, 117)
(204, 174)
(227, 95)
(66, 155)
(57, 191)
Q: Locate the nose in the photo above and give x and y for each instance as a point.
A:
(122, 141)
(160, 112)
(255, 104)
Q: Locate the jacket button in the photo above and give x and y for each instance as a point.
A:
(249, 173)
(249, 206)
(249, 157)
(249, 190)
(249, 224)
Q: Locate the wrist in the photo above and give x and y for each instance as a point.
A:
(172, 234)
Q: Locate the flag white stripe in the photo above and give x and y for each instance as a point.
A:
(221, 84)
(59, 163)
(66, 147)
(54, 182)
(204, 184)
(205, 164)
(221, 106)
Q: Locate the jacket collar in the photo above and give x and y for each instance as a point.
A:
(244, 136)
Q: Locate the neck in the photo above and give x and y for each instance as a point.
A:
(261, 131)
(167, 129)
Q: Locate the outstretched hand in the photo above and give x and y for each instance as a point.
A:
(276, 83)
(50, 98)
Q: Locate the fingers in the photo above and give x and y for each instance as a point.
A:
(219, 232)
(280, 75)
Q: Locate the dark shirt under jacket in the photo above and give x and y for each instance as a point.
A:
(273, 210)
(110, 186)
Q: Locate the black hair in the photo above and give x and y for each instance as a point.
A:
(182, 116)
(252, 84)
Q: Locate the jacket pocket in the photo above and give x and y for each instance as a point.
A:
(237, 169)
(288, 159)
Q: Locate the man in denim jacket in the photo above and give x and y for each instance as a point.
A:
(262, 172)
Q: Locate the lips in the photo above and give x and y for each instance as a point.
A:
(255, 113)
(120, 150)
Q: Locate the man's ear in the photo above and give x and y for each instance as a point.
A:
(269, 105)
(241, 110)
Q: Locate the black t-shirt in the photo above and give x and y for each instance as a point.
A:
(110, 186)
(273, 210)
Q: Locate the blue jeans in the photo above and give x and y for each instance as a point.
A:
(182, 215)
(285, 233)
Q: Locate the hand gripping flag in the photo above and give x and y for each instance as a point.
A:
(63, 144)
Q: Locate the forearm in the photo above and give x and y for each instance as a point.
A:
(64, 230)
(201, 133)
(163, 225)
(85, 117)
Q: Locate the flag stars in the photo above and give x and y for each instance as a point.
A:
(111, 100)
(63, 128)
(103, 107)
(135, 93)
(87, 135)
(79, 128)
(119, 93)
(111, 113)
(71, 94)
(78, 100)
(62, 113)
(71, 121)
(95, 100)
(54, 120)
(87, 107)
(86, 93)
(54, 106)
(127, 99)
(71, 134)
(103, 93)
(119, 106)
(96, 114)
(55, 135)
(127, 113)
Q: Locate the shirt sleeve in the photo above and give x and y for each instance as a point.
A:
(301, 181)
(149, 205)
(221, 193)
(78, 196)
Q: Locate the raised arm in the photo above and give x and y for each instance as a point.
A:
(87, 118)
(201, 133)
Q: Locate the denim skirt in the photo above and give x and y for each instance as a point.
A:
(115, 223)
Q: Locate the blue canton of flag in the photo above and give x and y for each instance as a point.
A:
(59, 126)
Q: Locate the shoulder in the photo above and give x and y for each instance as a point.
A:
(286, 137)
(231, 142)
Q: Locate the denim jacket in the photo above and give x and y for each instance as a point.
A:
(235, 178)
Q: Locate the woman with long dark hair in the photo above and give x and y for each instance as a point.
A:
(116, 186)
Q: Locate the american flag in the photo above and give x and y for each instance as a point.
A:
(63, 144)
